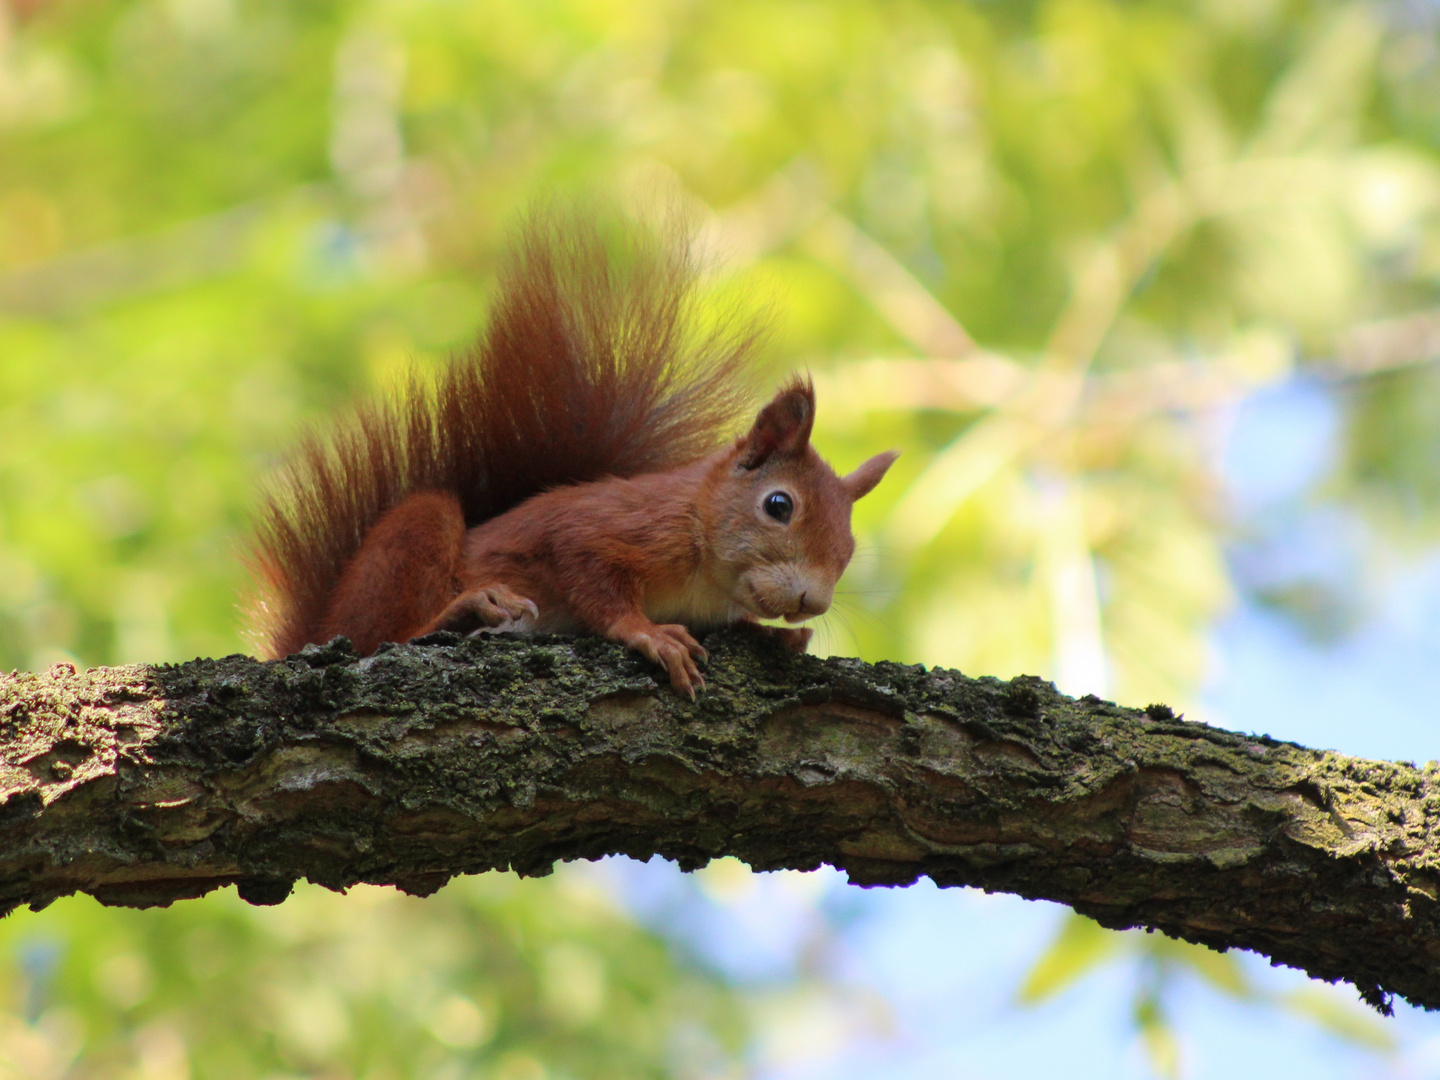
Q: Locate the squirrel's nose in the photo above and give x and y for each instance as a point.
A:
(804, 609)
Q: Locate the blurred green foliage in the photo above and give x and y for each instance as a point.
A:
(528, 979)
(1041, 246)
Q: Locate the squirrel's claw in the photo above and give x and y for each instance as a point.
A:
(673, 648)
(679, 652)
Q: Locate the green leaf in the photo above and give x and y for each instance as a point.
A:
(1080, 946)
(1221, 971)
(1341, 1016)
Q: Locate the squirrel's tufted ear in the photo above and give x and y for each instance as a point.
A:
(863, 480)
(783, 427)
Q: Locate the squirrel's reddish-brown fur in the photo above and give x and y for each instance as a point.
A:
(570, 474)
(604, 340)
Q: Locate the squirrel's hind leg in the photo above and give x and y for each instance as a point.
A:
(404, 572)
(486, 610)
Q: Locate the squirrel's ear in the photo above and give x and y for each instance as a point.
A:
(863, 480)
(783, 426)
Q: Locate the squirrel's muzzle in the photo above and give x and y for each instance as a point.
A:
(790, 591)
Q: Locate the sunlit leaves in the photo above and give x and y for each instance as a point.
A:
(1041, 248)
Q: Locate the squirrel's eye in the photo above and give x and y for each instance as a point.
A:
(779, 506)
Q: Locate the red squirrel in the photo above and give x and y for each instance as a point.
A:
(575, 472)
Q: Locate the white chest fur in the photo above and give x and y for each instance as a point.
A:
(700, 605)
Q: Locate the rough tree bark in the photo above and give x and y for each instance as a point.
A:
(142, 785)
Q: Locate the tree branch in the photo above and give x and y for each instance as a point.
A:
(141, 785)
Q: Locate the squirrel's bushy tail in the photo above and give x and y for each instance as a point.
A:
(595, 363)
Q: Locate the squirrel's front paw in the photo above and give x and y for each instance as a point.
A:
(673, 647)
(794, 638)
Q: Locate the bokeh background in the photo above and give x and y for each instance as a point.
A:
(1148, 292)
